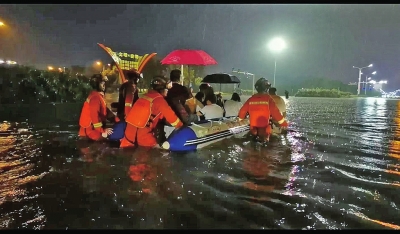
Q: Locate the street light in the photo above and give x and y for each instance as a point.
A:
(99, 63)
(50, 68)
(276, 45)
(245, 73)
(359, 77)
(366, 82)
(1, 24)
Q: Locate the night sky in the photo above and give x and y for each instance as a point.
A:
(323, 40)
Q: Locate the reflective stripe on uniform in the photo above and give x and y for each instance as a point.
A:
(148, 98)
(128, 104)
(97, 125)
(281, 121)
(259, 103)
(175, 122)
(87, 100)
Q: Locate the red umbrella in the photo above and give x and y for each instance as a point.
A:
(188, 57)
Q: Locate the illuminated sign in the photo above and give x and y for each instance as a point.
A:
(127, 61)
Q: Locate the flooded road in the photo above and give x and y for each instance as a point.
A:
(337, 168)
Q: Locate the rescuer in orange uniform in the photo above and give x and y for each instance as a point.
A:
(128, 93)
(260, 107)
(94, 111)
(145, 114)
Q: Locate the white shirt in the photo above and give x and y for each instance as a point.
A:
(232, 108)
(212, 111)
(279, 102)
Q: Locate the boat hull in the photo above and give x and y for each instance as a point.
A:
(197, 136)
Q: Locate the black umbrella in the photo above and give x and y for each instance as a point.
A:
(221, 78)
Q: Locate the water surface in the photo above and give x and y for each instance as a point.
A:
(337, 168)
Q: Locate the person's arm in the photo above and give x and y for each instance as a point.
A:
(244, 110)
(95, 107)
(168, 113)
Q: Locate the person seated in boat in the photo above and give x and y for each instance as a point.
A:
(92, 121)
(211, 110)
(233, 106)
(145, 114)
(260, 107)
(128, 93)
(279, 102)
(193, 104)
(219, 100)
(177, 96)
(200, 97)
(206, 89)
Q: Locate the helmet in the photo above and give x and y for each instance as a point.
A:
(96, 79)
(133, 75)
(262, 85)
(158, 83)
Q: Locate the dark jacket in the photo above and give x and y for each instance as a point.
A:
(176, 98)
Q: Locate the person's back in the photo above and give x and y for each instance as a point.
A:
(279, 102)
(233, 106)
(211, 110)
(177, 96)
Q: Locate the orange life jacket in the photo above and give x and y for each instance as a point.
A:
(260, 107)
(142, 110)
(85, 120)
(259, 111)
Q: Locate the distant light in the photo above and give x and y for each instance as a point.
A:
(11, 62)
(50, 68)
(373, 73)
(1, 61)
(1, 23)
(370, 65)
(277, 44)
(98, 63)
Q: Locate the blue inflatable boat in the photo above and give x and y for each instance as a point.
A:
(204, 133)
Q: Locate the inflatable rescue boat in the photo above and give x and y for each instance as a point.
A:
(199, 135)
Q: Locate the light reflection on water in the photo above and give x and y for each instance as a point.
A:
(337, 168)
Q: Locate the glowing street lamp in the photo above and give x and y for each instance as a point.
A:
(359, 77)
(50, 68)
(99, 63)
(276, 45)
(1, 24)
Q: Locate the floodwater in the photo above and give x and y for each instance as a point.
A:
(338, 168)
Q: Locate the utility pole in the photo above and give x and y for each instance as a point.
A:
(245, 73)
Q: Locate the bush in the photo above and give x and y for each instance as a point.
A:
(22, 84)
(318, 92)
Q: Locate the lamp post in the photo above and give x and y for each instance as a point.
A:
(359, 77)
(276, 45)
(245, 73)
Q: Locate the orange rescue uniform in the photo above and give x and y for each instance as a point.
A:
(260, 107)
(143, 118)
(93, 116)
